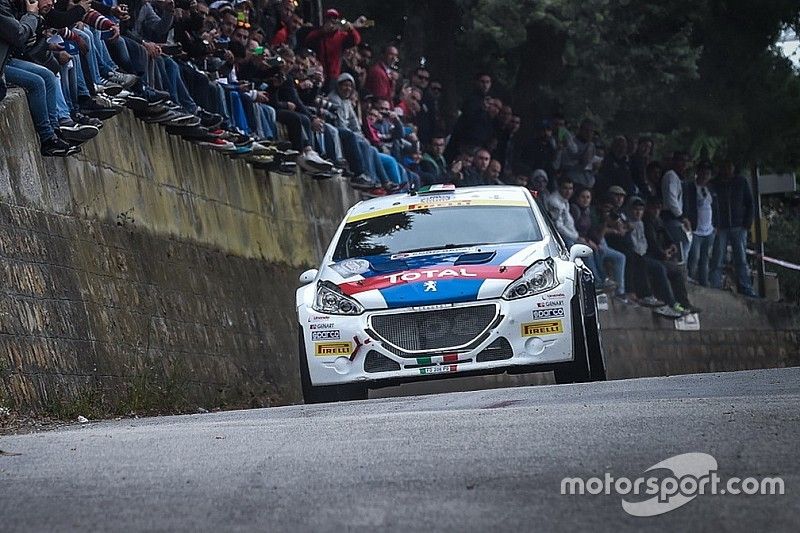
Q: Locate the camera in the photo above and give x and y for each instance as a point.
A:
(324, 103)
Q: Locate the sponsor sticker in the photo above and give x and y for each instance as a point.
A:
(555, 312)
(351, 267)
(324, 325)
(333, 349)
(326, 335)
(438, 370)
(319, 318)
(548, 327)
(439, 204)
(448, 251)
(550, 303)
(555, 295)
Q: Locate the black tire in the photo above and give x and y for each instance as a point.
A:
(326, 393)
(591, 327)
(589, 363)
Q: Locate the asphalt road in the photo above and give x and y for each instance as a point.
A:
(469, 461)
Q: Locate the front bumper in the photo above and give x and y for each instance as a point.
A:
(533, 331)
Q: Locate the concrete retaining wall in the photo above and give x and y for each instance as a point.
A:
(148, 273)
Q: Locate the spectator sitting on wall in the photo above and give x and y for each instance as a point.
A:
(477, 173)
(433, 166)
(493, 172)
(559, 210)
(656, 272)
(661, 247)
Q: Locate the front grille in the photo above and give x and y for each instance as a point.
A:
(376, 362)
(434, 330)
(497, 351)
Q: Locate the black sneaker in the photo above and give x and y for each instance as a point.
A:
(209, 120)
(362, 182)
(88, 121)
(56, 147)
(75, 135)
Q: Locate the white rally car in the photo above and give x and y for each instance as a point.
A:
(445, 282)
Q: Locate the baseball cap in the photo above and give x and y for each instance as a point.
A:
(332, 14)
(616, 189)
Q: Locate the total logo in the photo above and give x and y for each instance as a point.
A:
(435, 273)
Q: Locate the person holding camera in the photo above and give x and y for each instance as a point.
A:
(330, 41)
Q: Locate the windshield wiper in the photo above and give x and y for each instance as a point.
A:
(442, 247)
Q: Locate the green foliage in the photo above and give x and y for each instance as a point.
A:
(707, 68)
(782, 243)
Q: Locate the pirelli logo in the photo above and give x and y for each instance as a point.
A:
(546, 327)
(331, 349)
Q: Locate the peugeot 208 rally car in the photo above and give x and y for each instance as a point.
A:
(445, 282)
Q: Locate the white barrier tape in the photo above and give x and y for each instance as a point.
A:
(774, 261)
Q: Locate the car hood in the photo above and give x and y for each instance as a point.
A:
(433, 277)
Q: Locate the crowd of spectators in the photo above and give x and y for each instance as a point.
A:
(256, 80)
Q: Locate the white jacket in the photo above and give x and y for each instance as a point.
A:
(558, 207)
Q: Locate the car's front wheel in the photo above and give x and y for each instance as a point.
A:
(325, 393)
(587, 364)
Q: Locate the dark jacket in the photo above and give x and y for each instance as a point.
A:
(734, 203)
(16, 29)
(658, 238)
(615, 171)
(434, 170)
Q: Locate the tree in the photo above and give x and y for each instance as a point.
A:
(695, 70)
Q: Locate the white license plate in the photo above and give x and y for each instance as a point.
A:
(446, 369)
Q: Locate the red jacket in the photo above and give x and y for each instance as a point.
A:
(329, 47)
(378, 83)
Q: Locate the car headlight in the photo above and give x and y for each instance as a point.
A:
(330, 300)
(538, 278)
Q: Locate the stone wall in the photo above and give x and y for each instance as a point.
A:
(150, 273)
(735, 334)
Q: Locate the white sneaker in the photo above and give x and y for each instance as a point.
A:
(312, 162)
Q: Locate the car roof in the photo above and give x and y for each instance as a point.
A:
(502, 193)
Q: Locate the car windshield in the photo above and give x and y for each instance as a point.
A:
(437, 229)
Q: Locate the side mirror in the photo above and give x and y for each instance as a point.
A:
(579, 250)
(308, 276)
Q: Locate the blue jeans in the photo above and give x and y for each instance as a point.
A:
(171, 78)
(617, 260)
(699, 253)
(104, 60)
(737, 238)
(93, 56)
(392, 169)
(69, 85)
(41, 87)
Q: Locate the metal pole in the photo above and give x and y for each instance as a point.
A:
(319, 13)
(759, 236)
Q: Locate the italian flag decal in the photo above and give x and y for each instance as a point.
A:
(437, 359)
